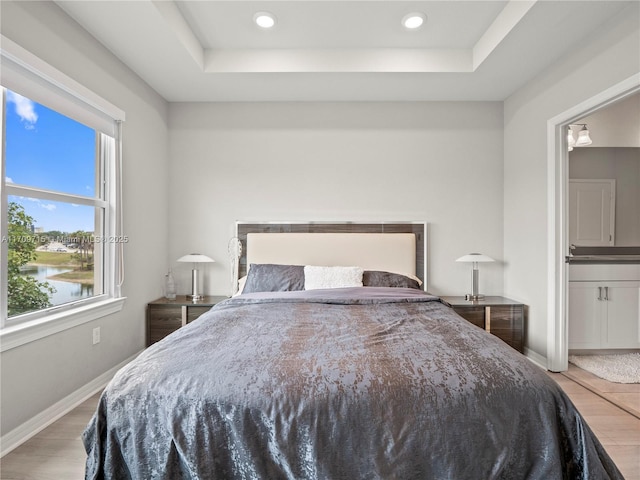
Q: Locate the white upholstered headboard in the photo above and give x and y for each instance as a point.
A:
(389, 246)
(372, 251)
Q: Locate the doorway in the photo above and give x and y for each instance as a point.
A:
(558, 239)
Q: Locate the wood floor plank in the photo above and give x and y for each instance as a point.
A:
(627, 458)
(621, 394)
(55, 453)
(617, 429)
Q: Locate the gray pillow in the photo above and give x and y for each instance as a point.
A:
(265, 277)
(374, 278)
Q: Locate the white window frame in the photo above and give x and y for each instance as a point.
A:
(31, 74)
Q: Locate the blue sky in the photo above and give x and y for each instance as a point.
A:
(48, 150)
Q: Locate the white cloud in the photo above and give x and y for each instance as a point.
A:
(25, 109)
(47, 206)
(8, 180)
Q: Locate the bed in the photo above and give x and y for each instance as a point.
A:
(337, 371)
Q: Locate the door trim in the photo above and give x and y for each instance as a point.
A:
(557, 222)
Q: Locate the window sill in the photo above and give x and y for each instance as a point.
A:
(21, 334)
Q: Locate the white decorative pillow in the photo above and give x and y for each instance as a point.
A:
(332, 277)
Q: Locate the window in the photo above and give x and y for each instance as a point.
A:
(61, 230)
(56, 207)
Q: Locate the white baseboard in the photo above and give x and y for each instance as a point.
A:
(536, 358)
(42, 420)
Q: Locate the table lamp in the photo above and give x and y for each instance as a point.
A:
(195, 258)
(474, 258)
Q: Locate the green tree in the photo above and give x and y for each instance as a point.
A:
(85, 249)
(25, 294)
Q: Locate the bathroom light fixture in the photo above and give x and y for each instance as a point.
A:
(413, 21)
(195, 258)
(264, 19)
(571, 141)
(583, 136)
(474, 258)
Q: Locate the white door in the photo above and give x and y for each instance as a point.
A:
(623, 315)
(592, 212)
(586, 311)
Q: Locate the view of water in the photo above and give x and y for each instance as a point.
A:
(65, 291)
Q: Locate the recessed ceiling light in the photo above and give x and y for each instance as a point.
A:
(264, 19)
(413, 21)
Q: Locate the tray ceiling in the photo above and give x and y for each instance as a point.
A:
(332, 50)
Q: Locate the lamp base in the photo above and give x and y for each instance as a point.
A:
(195, 298)
(470, 297)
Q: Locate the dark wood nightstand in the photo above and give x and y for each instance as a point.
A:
(166, 316)
(500, 316)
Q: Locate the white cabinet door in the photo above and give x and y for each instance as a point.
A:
(585, 315)
(622, 329)
(604, 315)
(592, 212)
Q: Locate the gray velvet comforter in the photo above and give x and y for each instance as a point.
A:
(362, 383)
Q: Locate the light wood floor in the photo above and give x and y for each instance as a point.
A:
(57, 453)
(617, 427)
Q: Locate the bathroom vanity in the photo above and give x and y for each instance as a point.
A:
(604, 298)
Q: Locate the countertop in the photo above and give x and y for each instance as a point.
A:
(604, 255)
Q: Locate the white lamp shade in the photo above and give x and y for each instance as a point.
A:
(475, 257)
(196, 258)
(583, 138)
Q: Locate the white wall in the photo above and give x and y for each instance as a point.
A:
(612, 56)
(434, 162)
(37, 375)
(617, 125)
(623, 166)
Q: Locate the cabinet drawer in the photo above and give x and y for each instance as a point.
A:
(165, 316)
(507, 323)
(504, 321)
(195, 312)
(474, 315)
(162, 321)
